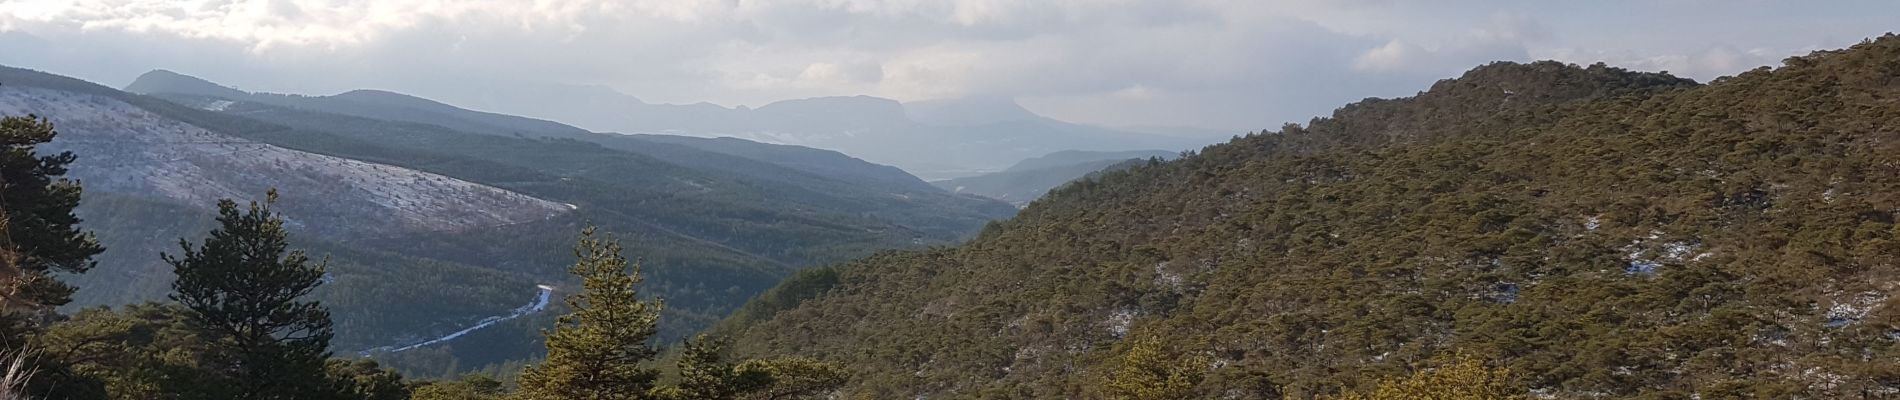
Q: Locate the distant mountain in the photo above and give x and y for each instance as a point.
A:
(1599, 232)
(1185, 131)
(989, 142)
(408, 192)
(935, 139)
(968, 111)
(1029, 179)
(390, 106)
(822, 162)
(1072, 157)
(173, 82)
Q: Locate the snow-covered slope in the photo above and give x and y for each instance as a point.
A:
(128, 150)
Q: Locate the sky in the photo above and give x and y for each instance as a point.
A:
(1237, 65)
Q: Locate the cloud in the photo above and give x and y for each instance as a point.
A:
(1506, 37)
(1219, 63)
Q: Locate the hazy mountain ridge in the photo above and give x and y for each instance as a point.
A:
(1072, 157)
(1029, 179)
(940, 139)
(712, 227)
(968, 111)
(382, 105)
(681, 176)
(1599, 232)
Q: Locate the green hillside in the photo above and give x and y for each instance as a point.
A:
(1599, 232)
(712, 228)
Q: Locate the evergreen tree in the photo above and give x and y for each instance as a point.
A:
(364, 379)
(705, 375)
(1464, 378)
(138, 352)
(1146, 373)
(793, 378)
(472, 387)
(243, 287)
(39, 237)
(595, 352)
(40, 231)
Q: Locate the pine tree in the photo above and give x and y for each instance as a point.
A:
(364, 379)
(471, 387)
(595, 352)
(705, 374)
(1464, 378)
(244, 286)
(41, 236)
(1147, 373)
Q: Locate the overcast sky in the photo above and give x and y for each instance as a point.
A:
(1226, 64)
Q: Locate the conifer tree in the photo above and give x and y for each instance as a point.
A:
(244, 286)
(706, 374)
(1464, 378)
(1147, 373)
(364, 379)
(40, 233)
(471, 387)
(595, 352)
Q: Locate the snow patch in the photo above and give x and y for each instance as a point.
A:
(1643, 258)
(1119, 321)
(1846, 313)
(128, 150)
(1165, 278)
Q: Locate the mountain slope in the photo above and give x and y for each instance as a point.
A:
(1020, 186)
(133, 151)
(389, 106)
(751, 206)
(1072, 157)
(816, 161)
(711, 228)
(1601, 233)
(941, 139)
(151, 180)
(1029, 179)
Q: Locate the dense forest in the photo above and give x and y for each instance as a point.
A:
(1566, 231)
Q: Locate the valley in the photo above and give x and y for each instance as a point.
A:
(474, 212)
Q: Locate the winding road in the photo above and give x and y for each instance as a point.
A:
(540, 303)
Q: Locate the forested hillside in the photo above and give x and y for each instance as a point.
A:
(410, 263)
(1598, 232)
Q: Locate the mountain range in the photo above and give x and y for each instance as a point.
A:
(1029, 179)
(932, 139)
(436, 217)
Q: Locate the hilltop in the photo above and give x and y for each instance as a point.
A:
(1597, 231)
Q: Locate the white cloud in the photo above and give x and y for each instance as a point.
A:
(1394, 55)
(1221, 63)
